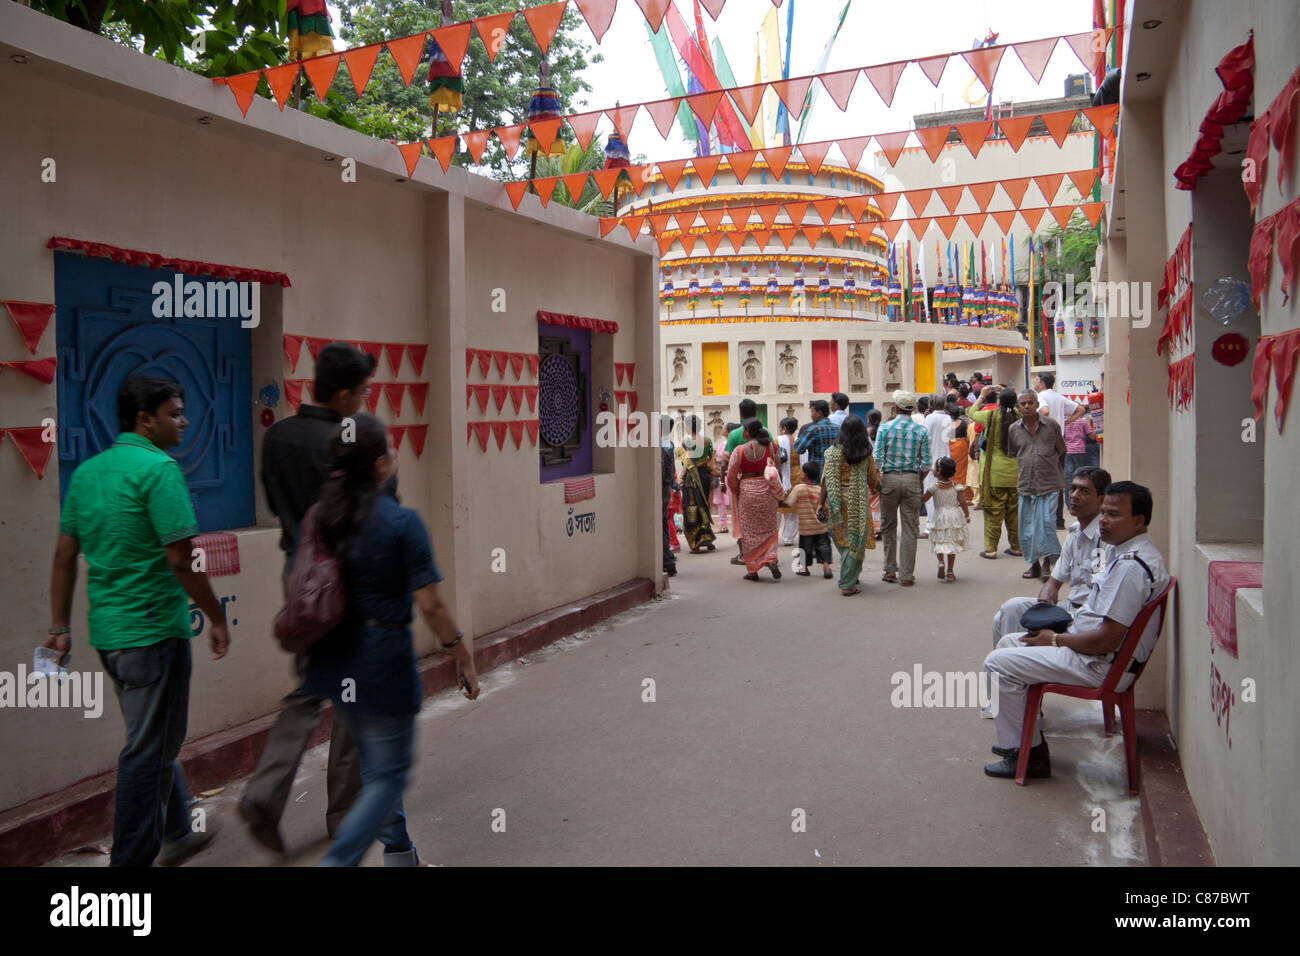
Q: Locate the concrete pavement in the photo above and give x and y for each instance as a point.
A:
(769, 698)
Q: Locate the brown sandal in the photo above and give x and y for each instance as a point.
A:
(991, 555)
(889, 578)
(951, 576)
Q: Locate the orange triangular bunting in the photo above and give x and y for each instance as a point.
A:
(739, 215)
(885, 79)
(688, 243)
(663, 112)
(545, 131)
(1103, 118)
(777, 157)
(665, 243)
(737, 239)
(786, 236)
(984, 62)
(605, 180)
(442, 148)
(855, 206)
(950, 196)
(932, 139)
(918, 199)
(545, 186)
(320, 71)
(740, 163)
(761, 236)
(686, 218)
(493, 31)
(1058, 124)
(1091, 211)
(1032, 217)
(659, 222)
(1004, 219)
(633, 225)
(748, 99)
(280, 80)
(706, 167)
(946, 225)
(1015, 129)
(410, 155)
(826, 208)
(1083, 181)
(1090, 48)
(974, 134)
(1061, 214)
(886, 203)
(814, 154)
(891, 144)
(1034, 55)
(839, 86)
(244, 87)
(704, 105)
(622, 117)
(813, 234)
(575, 183)
(544, 21)
(584, 126)
(975, 220)
(793, 93)
(711, 241)
(509, 136)
(838, 232)
(1015, 189)
(796, 211)
(767, 212)
(476, 142)
(671, 170)
(890, 227)
(853, 149)
(933, 67)
(713, 218)
(406, 54)
(361, 63)
(982, 193)
(1048, 184)
(654, 11)
(453, 41)
(639, 177)
(516, 193)
(920, 226)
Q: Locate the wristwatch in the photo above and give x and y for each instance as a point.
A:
(1055, 640)
(459, 635)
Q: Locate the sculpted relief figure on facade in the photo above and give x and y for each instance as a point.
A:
(789, 361)
(859, 380)
(893, 368)
(681, 371)
(753, 371)
(716, 425)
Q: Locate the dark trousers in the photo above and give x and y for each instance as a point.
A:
(268, 788)
(151, 803)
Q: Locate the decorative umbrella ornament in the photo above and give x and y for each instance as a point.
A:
(715, 289)
(544, 105)
(309, 29)
(446, 86)
(743, 288)
(773, 287)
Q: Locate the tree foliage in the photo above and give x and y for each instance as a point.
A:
(1078, 241)
(578, 160)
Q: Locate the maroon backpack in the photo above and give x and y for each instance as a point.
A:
(315, 598)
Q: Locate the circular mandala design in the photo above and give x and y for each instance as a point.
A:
(557, 399)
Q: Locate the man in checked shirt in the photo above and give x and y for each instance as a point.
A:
(903, 454)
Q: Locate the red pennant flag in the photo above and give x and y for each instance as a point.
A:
(891, 144)
(420, 392)
(394, 352)
(1015, 129)
(658, 223)
(793, 93)
(631, 398)
(509, 136)
(654, 11)
(622, 117)
(481, 431)
(31, 446)
(31, 319)
(244, 88)
(314, 345)
(499, 430)
(812, 234)
(737, 239)
(530, 392)
(41, 369)
(838, 232)
(410, 156)
(885, 79)
(974, 135)
(855, 206)
(499, 393)
(293, 392)
(469, 394)
(631, 370)
(544, 21)
(516, 192)
(620, 398)
(688, 243)
(633, 225)
(517, 364)
(853, 148)
(516, 396)
(476, 142)
(618, 372)
(320, 71)
(545, 186)
(1092, 211)
(406, 54)
(584, 126)
(704, 105)
(481, 392)
(374, 349)
(663, 112)
(933, 139)
(517, 432)
(292, 349)
(417, 353)
(545, 131)
(418, 434)
(711, 241)
(532, 365)
(605, 180)
(598, 14)
(786, 235)
(839, 86)
(361, 63)
(796, 211)
(372, 400)
(395, 391)
(484, 362)
(761, 237)
(1034, 55)
(671, 171)
(1061, 214)
(501, 358)
(396, 432)
(748, 100)
(982, 193)
(531, 425)
(453, 41)
(740, 164)
(442, 149)
(933, 67)
(493, 31)
(280, 80)
(1058, 124)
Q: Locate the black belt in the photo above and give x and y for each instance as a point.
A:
(903, 471)
(387, 625)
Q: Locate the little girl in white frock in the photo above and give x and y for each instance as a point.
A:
(948, 518)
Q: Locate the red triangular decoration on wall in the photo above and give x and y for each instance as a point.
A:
(631, 372)
(516, 396)
(484, 362)
(397, 432)
(826, 209)
(34, 450)
(796, 211)
(419, 393)
(293, 349)
(394, 352)
(530, 392)
(618, 372)
(501, 357)
(361, 62)
(633, 225)
(417, 353)
(372, 400)
(418, 434)
(517, 364)
(531, 425)
(517, 431)
(31, 319)
(395, 391)
(293, 392)
(499, 393)
(838, 231)
(532, 365)
(481, 431)
(499, 430)
(314, 345)
(482, 393)
(374, 349)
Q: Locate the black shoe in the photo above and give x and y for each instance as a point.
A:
(671, 572)
(1040, 764)
(1004, 751)
(261, 827)
(776, 571)
(737, 560)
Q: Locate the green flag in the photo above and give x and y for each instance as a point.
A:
(673, 79)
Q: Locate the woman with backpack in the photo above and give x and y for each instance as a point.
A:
(366, 664)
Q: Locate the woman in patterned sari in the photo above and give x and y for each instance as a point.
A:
(755, 492)
(849, 475)
(697, 523)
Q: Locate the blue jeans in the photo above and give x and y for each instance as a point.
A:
(386, 744)
(151, 803)
(1072, 464)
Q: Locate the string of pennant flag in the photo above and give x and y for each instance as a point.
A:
(516, 430)
(31, 444)
(516, 361)
(393, 350)
(394, 391)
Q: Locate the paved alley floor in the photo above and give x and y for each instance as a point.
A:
(770, 698)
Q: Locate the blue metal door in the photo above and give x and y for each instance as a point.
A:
(106, 331)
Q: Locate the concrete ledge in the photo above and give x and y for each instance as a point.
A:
(82, 813)
(1173, 828)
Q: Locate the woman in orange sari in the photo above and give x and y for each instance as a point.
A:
(755, 492)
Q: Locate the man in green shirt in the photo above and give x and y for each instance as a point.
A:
(128, 510)
(748, 410)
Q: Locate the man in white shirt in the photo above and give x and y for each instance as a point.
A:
(1134, 575)
(840, 404)
(939, 424)
(1082, 555)
(1061, 410)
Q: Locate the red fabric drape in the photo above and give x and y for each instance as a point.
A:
(574, 322)
(153, 260)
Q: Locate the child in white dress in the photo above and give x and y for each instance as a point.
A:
(949, 517)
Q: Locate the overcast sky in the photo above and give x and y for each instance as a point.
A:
(873, 32)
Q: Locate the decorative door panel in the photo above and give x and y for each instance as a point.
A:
(716, 362)
(826, 367)
(106, 331)
(924, 377)
(564, 401)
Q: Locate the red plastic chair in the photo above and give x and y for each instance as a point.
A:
(1106, 693)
